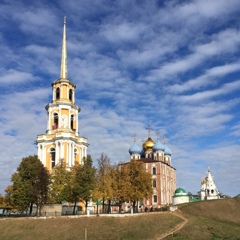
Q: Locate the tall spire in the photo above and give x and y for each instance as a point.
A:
(64, 70)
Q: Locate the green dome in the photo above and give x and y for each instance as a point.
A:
(179, 192)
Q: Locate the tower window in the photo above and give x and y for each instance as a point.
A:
(154, 170)
(72, 120)
(70, 94)
(154, 183)
(55, 121)
(155, 198)
(57, 93)
(53, 156)
(75, 154)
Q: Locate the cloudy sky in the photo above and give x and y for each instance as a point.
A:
(172, 65)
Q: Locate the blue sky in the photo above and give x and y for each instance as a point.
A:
(173, 65)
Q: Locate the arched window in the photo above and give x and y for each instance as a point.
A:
(154, 170)
(155, 198)
(70, 94)
(154, 183)
(75, 154)
(57, 93)
(52, 157)
(72, 120)
(55, 121)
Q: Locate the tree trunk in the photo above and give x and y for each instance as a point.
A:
(30, 208)
(103, 205)
(134, 204)
(109, 206)
(120, 207)
(86, 205)
(74, 207)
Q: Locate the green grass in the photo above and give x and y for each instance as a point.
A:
(216, 219)
(147, 226)
(208, 220)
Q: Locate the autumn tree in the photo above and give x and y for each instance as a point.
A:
(121, 185)
(60, 177)
(140, 182)
(105, 180)
(30, 184)
(8, 200)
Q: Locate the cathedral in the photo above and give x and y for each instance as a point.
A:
(62, 140)
(156, 157)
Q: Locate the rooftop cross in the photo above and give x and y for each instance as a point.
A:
(158, 134)
(149, 131)
(134, 137)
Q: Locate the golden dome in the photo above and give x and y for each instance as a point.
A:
(148, 144)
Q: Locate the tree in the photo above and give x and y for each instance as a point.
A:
(105, 180)
(81, 183)
(8, 200)
(121, 185)
(59, 179)
(140, 182)
(30, 184)
(86, 179)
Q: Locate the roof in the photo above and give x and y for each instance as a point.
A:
(158, 146)
(180, 192)
(135, 149)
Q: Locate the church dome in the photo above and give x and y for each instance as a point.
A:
(158, 146)
(135, 149)
(148, 144)
(180, 192)
(167, 150)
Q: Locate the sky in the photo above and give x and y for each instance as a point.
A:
(171, 65)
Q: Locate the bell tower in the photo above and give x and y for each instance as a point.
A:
(62, 140)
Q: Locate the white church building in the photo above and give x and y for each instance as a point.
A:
(208, 190)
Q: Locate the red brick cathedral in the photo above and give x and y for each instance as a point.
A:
(157, 159)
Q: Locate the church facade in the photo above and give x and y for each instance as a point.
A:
(62, 140)
(208, 190)
(156, 157)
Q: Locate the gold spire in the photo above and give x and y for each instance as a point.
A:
(63, 71)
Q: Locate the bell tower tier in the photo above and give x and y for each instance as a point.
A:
(62, 140)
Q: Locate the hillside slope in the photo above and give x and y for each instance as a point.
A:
(216, 219)
(222, 210)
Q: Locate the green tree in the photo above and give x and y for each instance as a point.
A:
(30, 184)
(59, 179)
(86, 179)
(81, 183)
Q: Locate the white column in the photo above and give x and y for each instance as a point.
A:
(72, 157)
(57, 153)
(53, 93)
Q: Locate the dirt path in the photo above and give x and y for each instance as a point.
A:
(176, 228)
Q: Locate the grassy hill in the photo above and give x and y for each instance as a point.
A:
(218, 219)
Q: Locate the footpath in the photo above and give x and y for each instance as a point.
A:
(176, 228)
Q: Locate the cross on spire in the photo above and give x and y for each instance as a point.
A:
(158, 134)
(149, 130)
(134, 137)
